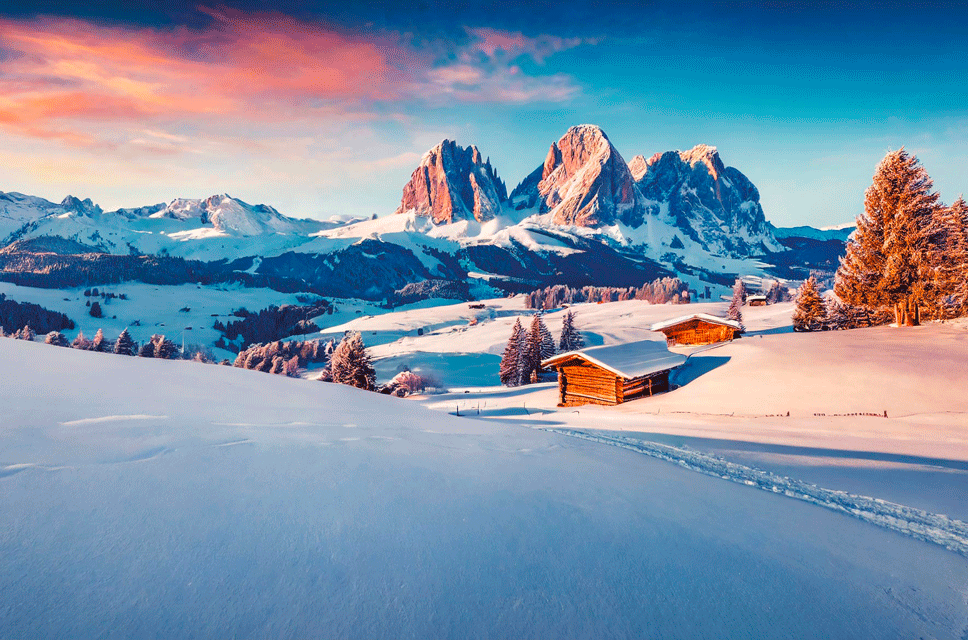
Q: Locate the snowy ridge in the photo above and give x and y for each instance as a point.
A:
(929, 527)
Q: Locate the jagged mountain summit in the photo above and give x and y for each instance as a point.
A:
(454, 183)
(714, 205)
(583, 182)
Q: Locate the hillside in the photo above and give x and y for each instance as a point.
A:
(301, 509)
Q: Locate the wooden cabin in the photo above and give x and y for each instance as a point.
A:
(756, 301)
(698, 329)
(614, 374)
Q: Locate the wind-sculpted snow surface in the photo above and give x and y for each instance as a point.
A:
(930, 527)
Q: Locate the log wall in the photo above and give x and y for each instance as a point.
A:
(582, 383)
(697, 331)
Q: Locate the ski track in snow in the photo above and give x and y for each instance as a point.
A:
(929, 527)
(103, 419)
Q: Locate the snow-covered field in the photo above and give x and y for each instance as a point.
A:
(145, 498)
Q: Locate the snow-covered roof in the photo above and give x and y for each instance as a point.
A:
(659, 326)
(748, 298)
(630, 360)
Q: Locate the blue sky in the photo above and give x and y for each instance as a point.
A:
(325, 108)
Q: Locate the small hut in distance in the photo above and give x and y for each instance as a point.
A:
(756, 301)
(698, 329)
(614, 374)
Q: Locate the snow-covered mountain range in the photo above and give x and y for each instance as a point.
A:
(584, 216)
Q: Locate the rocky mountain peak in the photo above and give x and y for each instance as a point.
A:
(583, 182)
(83, 207)
(454, 183)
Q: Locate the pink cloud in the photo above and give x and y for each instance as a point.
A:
(513, 44)
(75, 80)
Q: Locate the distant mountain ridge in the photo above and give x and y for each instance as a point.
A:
(583, 217)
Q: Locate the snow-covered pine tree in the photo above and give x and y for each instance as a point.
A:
(80, 342)
(777, 293)
(278, 365)
(735, 312)
(350, 364)
(98, 344)
(950, 258)
(147, 350)
(26, 334)
(547, 341)
(888, 262)
(125, 345)
(511, 361)
(571, 339)
(57, 339)
(810, 313)
(531, 365)
(165, 349)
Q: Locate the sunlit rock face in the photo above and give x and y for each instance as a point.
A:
(454, 183)
(583, 182)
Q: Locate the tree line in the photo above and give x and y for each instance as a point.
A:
(16, 315)
(269, 324)
(659, 291)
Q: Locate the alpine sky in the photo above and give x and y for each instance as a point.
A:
(323, 108)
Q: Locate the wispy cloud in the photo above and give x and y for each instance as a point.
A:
(88, 84)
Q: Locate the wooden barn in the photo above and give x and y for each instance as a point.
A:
(614, 374)
(756, 301)
(698, 328)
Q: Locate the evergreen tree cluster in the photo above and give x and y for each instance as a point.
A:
(527, 348)
(284, 358)
(777, 293)
(660, 291)
(271, 323)
(824, 311)
(909, 255)
(15, 315)
(350, 364)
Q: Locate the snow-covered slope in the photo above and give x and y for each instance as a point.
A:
(231, 503)
(17, 209)
(213, 228)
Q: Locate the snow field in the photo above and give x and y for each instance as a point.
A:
(150, 497)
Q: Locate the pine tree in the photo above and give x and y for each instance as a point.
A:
(57, 339)
(26, 334)
(125, 345)
(80, 342)
(950, 258)
(735, 312)
(531, 362)
(547, 341)
(888, 262)
(165, 349)
(96, 310)
(98, 344)
(147, 350)
(350, 364)
(511, 361)
(810, 313)
(571, 339)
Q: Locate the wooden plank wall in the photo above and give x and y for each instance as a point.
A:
(582, 383)
(698, 332)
